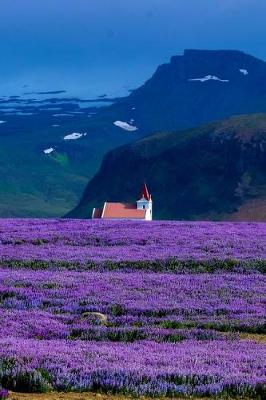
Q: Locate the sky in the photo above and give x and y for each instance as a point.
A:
(96, 47)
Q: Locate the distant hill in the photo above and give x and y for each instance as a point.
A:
(217, 171)
(195, 88)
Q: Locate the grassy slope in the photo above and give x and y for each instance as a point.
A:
(35, 184)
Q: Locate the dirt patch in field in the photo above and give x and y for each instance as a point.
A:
(253, 336)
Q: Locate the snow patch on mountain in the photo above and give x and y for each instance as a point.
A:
(243, 71)
(2, 122)
(209, 78)
(125, 126)
(74, 136)
(48, 151)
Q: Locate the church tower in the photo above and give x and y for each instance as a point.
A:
(145, 202)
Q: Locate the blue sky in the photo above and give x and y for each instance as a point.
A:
(91, 47)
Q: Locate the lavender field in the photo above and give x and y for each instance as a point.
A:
(158, 309)
(112, 245)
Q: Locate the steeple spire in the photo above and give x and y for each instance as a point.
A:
(145, 193)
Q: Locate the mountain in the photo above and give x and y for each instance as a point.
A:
(217, 171)
(197, 87)
(44, 174)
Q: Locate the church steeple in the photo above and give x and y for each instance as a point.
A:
(145, 202)
(145, 193)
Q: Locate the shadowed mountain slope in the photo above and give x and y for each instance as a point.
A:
(212, 172)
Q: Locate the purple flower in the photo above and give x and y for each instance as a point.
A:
(3, 394)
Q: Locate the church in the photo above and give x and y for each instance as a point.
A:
(141, 210)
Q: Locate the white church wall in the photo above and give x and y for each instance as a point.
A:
(144, 204)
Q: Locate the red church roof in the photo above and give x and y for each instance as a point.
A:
(122, 211)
